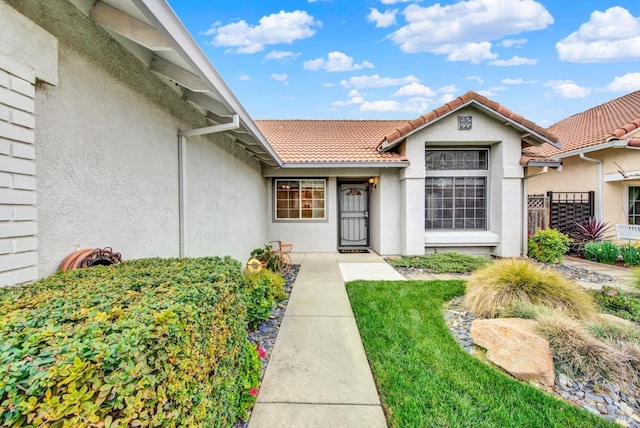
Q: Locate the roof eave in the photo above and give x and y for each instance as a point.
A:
(621, 144)
(392, 164)
(387, 145)
(545, 163)
(162, 15)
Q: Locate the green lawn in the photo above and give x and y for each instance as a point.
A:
(426, 380)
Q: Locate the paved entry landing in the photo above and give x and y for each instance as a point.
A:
(318, 374)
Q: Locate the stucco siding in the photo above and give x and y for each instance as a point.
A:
(107, 158)
(503, 236)
(578, 175)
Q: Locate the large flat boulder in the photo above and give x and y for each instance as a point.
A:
(514, 345)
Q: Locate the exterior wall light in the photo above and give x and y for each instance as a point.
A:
(373, 182)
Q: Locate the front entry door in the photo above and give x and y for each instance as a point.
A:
(354, 215)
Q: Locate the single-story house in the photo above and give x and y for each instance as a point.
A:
(600, 153)
(116, 130)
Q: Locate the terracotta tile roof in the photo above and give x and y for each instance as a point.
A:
(329, 141)
(609, 121)
(407, 127)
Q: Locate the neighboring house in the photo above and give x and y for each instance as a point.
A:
(115, 130)
(600, 153)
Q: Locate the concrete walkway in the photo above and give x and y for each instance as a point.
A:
(622, 277)
(318, 374)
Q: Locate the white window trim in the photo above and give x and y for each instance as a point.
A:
(464, 173)
(299, 219)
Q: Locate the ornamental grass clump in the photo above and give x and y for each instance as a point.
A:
(498, 289)
(154, 342)
(577, 353)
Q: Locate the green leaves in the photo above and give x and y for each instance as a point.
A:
(149, 342)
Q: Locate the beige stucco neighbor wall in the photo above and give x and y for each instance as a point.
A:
(107, 157)
(504, 235)
(581, 176)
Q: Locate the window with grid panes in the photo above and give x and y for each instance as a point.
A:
(634, 204)
(456, 189)
(300, 199)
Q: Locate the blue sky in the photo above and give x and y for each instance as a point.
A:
(398, 59)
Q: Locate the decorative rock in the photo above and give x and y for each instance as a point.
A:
(513, 344)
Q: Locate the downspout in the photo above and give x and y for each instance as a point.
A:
(182, 173)
(600, 183)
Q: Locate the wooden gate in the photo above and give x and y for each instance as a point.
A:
(537, 213)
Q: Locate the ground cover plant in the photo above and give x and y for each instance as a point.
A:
(441, 262)
(144, 343)
(425, 379)
(502, 288)
(618, 303)
(601, 251)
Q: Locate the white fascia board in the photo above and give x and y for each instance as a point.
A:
(167, 22)
(613, 143)
(398, 164)
(386, 145)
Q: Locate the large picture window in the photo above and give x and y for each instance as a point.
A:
(456, 189)
(634, 204)
(300, 199)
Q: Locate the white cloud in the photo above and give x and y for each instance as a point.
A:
(277, 28)
(612, 35)
(336, 61)
(448, 88)
(244, 77)
(476, 78)
(497, 88)
(394, 106)
(281, 56)
(414, 89)
(328, 85)
(467, 22)
(516, 60)
(568, 89)
(446, 98)
(628, 83)
(395, 1)
(474, 52)
(487, 93)
(507, 43)
(375, 81)
(280, 77)
(518, 81)
(382, 19)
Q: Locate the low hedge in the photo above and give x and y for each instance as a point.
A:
(153, 342)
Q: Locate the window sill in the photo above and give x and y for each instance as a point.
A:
(461, 239)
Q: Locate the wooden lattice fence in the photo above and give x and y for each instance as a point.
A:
(568, 208)
(537, 213)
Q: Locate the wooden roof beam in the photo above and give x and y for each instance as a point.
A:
(182, 77)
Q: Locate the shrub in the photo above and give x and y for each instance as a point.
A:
(602, 252)
(498, 289)
(579, 354)
(617, 303)
(630, 253)
(442, 262)
(618, 332)
(264, 290)
(148, 342)
(548, 246)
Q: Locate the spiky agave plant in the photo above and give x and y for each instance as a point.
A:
(591, 229)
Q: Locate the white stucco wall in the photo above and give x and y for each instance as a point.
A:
(107, 158)
(503, 237)
(316, 235)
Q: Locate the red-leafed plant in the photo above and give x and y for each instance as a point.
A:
(591, 229)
